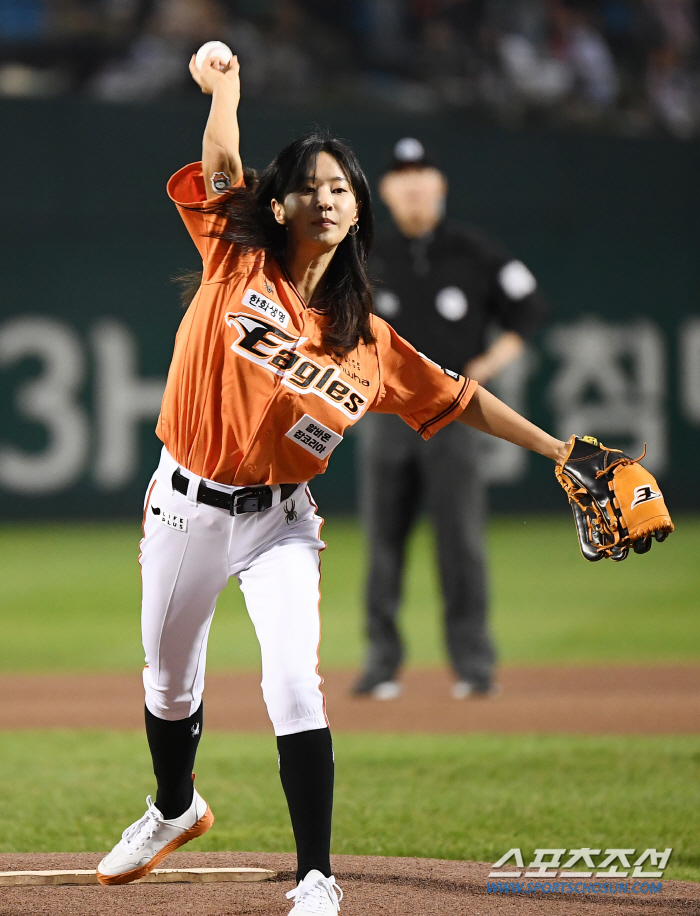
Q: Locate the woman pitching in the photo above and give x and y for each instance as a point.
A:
(277, 355)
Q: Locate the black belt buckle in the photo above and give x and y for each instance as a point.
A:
(251, 499)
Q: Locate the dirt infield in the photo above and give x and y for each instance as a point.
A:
(575, 700)
(372, 887)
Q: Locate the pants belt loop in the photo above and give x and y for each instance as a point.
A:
(168, 464)
(193, 483)
(276, 494)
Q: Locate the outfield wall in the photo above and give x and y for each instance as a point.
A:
(88, 311)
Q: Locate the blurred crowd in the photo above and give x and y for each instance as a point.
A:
(625, 66)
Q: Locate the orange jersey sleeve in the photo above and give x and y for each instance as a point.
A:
(422, 393)
(187, 191)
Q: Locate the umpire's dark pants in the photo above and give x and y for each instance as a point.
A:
(399, 471)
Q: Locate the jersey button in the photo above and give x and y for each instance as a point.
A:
(287, 397)
(267, 434)
(251, 467)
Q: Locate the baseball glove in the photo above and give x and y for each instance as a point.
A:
(617, 504)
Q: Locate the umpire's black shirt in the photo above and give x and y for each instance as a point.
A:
(443, 291)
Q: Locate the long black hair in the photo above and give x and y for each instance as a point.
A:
(346, 297)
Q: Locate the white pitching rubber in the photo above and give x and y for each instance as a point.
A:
(157, 876)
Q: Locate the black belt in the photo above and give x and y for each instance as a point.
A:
(246, 499)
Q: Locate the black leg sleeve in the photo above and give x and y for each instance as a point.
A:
(306, 770)
(173, 749)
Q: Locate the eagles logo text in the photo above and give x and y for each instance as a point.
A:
(267, 345)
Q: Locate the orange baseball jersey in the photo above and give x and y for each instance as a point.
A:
(252, 397)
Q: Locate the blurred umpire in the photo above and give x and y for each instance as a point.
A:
(445, 288)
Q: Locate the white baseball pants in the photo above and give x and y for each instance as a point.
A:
(188, 552)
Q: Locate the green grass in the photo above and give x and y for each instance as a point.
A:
(455, 797)
(69, 599)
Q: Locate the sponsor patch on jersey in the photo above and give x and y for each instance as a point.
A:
(314, 437)
(266, 306)
(178, 522)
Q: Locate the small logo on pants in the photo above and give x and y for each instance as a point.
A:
(195, 729)
(178, 522)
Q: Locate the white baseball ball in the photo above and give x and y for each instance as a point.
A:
(213, 49)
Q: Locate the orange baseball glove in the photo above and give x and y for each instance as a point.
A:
(615, 501)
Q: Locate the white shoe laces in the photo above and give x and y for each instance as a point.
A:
(142, 831)
(314, 897)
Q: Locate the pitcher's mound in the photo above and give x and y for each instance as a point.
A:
(373, 886)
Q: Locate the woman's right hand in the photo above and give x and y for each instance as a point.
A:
(215, 73)
(220, 147)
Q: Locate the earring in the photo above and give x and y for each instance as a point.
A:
(354, 226)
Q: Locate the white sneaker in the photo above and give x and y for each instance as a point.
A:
(387, 690)
(148, 841)
(315, 895)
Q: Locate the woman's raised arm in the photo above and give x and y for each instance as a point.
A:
(220, 147)
(485, 412)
